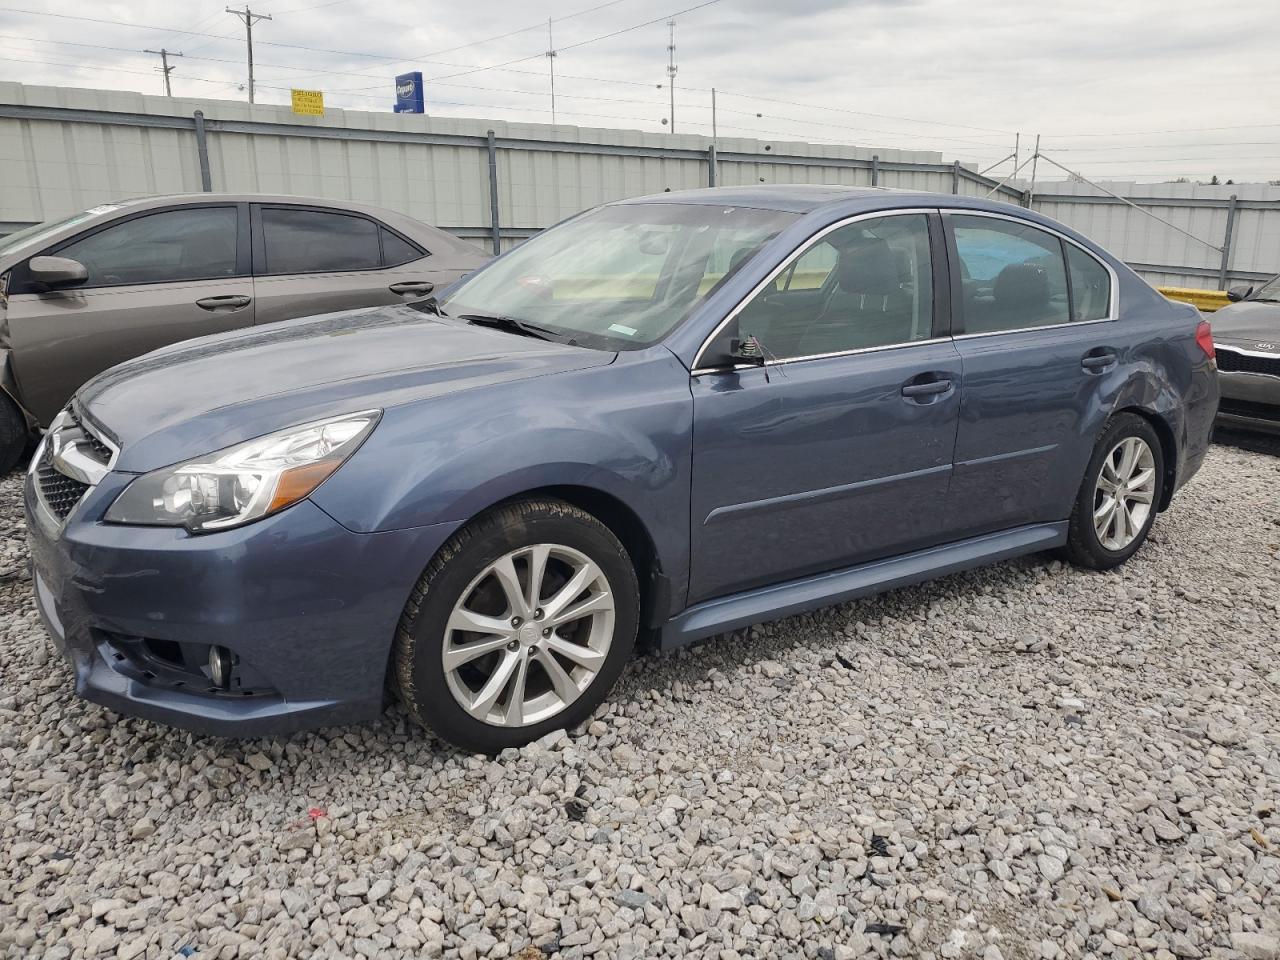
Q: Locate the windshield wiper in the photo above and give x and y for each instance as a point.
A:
(512, 325)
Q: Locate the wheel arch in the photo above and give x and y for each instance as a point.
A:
(625, 524)
(1168, 448)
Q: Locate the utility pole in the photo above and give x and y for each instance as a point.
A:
(249, 18)
(713, 115)
(1035, 161)
(671, 71)
(164, 56)
(551, 59)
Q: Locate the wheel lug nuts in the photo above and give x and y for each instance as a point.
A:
(546, 633)
(514, 645)
(516, 621)
(537, 614)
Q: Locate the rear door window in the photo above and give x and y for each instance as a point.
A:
(397, 250)
(1013, 275)
(318, 241)
(174, 245)
(1090, 286)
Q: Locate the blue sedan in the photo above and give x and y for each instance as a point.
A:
(663, 419)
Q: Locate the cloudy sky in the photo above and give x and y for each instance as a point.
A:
(1118, 89)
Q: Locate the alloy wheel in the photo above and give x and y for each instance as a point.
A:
(528, 635)
(1125, 493)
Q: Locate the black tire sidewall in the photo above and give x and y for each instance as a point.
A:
(1085, 545)
(510, 529)
(14, 434)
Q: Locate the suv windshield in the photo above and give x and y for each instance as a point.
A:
(619, 277)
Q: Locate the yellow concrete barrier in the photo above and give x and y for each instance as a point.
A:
(1205, 300)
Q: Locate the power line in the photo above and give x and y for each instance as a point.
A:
(314, 6)
(583, 43)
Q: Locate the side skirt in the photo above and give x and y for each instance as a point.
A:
(799, 596)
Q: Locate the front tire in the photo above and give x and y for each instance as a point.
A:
(520, 625)
(1119, 496)
(13, 434)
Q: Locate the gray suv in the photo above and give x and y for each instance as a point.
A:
(82, 294)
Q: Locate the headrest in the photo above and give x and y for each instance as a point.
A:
(868, 267)
(1022, 286)
(742, 256)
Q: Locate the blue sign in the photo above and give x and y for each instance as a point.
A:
(409, 97)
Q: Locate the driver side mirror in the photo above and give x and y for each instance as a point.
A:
(54, 272)
(1240, 291)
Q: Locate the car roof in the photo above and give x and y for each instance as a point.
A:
(803, 198)
(792, 198)
(434, 238)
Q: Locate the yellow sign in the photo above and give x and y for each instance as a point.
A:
(309, 102)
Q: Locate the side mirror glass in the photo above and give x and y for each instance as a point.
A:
(1240, 291)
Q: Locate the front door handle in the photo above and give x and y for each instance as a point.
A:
(230, 302)
(1098, 361)
(930, 388)
(415, 287)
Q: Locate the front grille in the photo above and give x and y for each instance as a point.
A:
(1231, 362)
(59, 492)
(1246, 408)
(95, 447)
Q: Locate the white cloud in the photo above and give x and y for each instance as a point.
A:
(867, 71)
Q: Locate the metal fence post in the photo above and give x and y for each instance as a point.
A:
(711, 165)
(955, 176)
(875, 170)
(494, 226)
(1226, 243)
(202, 152)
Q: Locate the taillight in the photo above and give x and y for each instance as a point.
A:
(1204, 338)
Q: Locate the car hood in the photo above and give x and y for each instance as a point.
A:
(1248, 321)
(202, 395)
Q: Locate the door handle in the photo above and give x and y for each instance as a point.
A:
(930, 388)
(422, 287)
(230, 302)
(1097, 362)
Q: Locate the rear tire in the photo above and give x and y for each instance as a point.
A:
(13, 434)
(1119, 497)
(535, 607)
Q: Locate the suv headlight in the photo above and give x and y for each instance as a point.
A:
(246, 482)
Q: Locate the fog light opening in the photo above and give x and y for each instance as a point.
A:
(220, 667)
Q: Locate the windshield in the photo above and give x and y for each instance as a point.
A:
(1269, 292)
(619, 277)
(34, 234)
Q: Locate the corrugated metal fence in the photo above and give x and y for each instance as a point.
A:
(63, 150)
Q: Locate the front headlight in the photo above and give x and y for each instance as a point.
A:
(246, 482)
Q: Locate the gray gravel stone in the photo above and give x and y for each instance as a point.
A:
(1024, 761)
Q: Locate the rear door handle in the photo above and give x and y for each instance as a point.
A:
(230, 302)
(421, 287)
(929, 389)
(1096, 362)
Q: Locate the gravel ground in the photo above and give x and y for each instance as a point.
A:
(1025, 761)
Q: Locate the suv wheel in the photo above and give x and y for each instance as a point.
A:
(519, 626)
(1118, 499)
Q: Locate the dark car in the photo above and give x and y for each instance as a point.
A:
(81, 294)
(1247, 334)
(668, 417)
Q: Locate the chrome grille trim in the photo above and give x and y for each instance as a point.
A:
(71, 460)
